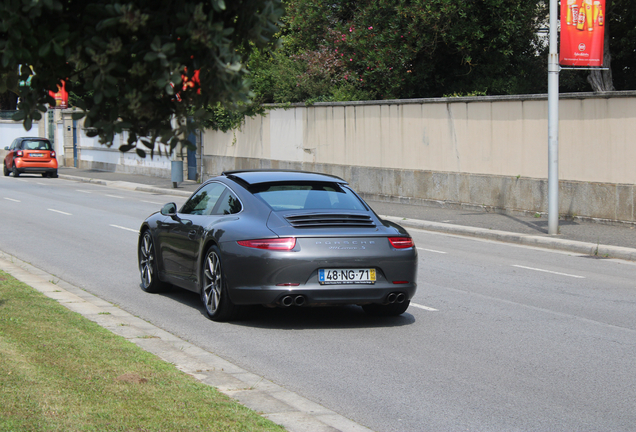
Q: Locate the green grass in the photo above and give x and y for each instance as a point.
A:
(62, 372)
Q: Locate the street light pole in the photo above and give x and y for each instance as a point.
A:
(553, 123)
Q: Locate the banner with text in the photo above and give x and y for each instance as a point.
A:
(582, 33)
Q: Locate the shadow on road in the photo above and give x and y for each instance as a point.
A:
(298, 318)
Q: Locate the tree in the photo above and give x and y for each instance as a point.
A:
(133, 66)
(385, 49)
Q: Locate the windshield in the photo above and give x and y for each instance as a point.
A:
(307, 196)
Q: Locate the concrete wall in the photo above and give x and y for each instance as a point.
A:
(488, 152)
(481, 152)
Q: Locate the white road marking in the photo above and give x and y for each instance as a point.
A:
(60, 212)
(124, 228)
(11, 199)
(43, 184)
(419, 306)
(82, 191)
(548, 271)
(114, 196)
(151, 202)
(431, 250)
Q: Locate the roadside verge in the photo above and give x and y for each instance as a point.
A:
(295, 413)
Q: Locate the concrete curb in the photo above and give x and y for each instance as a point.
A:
(127, 185)
(523, 239)
(294, 412)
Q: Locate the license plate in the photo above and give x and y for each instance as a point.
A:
(37, 155)
(346, 276)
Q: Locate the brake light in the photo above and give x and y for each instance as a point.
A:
(52, 154)
(282, 244)
(401, 242)
(20, 153)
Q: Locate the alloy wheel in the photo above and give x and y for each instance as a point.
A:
(146, 260)
(212, 282)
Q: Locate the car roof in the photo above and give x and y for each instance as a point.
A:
(252, 177)
(33, 139)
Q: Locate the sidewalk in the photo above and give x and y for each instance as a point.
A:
(576, 236)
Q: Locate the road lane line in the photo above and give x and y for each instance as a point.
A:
(548, 271)
(82, 191)
(60, 212)
(124, 228)
(431, 250)
(114, 196)
(11, 199)
(151, 202)
(419, 306)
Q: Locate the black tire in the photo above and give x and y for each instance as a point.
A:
(217, 302)
(392, 309)
(148, 269)
(53, 174)
(45, 175)
(15, 171)
(6, 170)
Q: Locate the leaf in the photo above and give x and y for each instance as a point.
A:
(45, 49)
(58, 49)
(169, 48)
(126, 147)
(78, 115)
(150, 57)
(28, 122)
(141, 153)
(18, 116)
(149, 144)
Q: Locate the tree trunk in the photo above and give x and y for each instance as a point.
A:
(601, 80)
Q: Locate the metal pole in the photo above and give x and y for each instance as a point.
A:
(553, 123)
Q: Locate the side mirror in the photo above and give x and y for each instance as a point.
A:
(169, 209)
(6, 148)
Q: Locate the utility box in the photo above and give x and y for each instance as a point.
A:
(176, 171)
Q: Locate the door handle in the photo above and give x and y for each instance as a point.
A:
(192, 234)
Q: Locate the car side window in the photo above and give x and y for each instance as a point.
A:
(204, 200)
(228, 204)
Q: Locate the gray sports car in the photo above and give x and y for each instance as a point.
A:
(278, 238)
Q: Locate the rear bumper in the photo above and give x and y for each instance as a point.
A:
(36, 167)
(321, 295)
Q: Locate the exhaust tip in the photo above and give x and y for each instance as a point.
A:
(400, 298)
(287, 301)
(299, 300)
(391, 298)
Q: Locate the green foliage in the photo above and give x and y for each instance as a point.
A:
(128, 64)
(387, 49)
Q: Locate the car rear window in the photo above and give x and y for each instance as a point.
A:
(307, 196)
(36, 145)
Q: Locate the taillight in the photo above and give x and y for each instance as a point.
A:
(52, 154)
(281, 244)
(401, 242)
(20, 153)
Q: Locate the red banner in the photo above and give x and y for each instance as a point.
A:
(582, 33)
(61, 97)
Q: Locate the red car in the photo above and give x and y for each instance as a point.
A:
(30, 155)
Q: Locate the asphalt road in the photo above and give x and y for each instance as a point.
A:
(499, 337)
